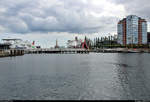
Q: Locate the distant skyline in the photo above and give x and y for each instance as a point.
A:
(44, 21)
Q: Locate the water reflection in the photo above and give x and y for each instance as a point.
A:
(131, 75)
(75, 77)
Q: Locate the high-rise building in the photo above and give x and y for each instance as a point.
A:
(132, 30)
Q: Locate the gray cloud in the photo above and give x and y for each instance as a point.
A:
(137, 7)
(73, 16)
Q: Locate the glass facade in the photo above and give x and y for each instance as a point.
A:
(135, 26)
(132, 29)
(144, 32)
(120, 33)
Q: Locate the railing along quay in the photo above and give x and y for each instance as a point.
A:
(121, 50)
(59, 51)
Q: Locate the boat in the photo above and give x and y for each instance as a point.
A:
(19, 44)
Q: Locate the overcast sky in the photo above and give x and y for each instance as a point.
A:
(47, 20)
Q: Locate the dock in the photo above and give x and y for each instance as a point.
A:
(121, 50)
(11, 52)
(58, 51)
(20, 52)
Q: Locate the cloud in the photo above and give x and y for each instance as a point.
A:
(137, 7)
(47, 20)
(72, 16)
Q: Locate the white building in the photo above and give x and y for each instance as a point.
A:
(74, 43)
(19, 44)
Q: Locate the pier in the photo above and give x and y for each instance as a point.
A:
(58, 51)
(11, 52)
(20, 52)
(121, 50)
(6, 51)
(16, 52)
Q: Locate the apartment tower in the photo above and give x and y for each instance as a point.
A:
(132, 30)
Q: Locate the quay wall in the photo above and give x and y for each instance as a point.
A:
(19, 52)
(11, 52)
(4, 53)
(121, 50)
(58, 51)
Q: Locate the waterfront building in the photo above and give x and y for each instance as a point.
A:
(4, 46)
(132, 30)
(78, 43)
(148, 37)
(74, 43)
(19, 44)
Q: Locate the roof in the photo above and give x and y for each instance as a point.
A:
(2, 44)
(11, 39)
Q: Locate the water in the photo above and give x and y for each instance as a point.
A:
(75, 77)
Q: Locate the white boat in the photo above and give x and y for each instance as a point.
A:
(19, 44)
(133, 51)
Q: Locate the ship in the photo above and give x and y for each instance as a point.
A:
(19, 44)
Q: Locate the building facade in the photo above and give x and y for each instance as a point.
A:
(74, 43)
(19, 44)
(132, 30)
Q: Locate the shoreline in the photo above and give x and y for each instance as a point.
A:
(123, 50)
(13, 53)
